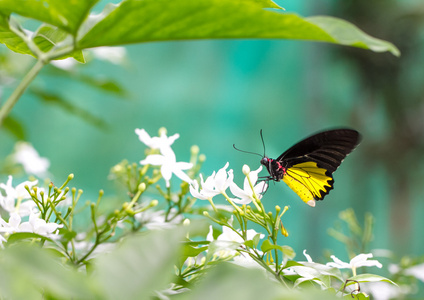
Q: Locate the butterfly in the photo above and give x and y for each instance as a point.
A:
(308, 166)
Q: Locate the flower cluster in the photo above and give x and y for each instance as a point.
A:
(220, 181)
(17, 202)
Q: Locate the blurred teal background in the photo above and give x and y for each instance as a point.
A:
(217, 93)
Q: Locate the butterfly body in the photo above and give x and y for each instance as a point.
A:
(307, 167)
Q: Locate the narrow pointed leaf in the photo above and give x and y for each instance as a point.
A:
(137, 21)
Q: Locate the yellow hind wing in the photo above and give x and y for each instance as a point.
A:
(309, 181)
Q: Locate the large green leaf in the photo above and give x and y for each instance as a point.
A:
(46, 37)
(29, 272)
(137, 21)
(13, 41)
(65, 14)
(140, 265)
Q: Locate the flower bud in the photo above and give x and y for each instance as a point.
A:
(162, 131)
(194, 150)
(246, 170)
(142, 187)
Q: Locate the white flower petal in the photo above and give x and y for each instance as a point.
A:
(154, 159)
(209, 237)
(308, 257)
(181, 175)
(144, 137)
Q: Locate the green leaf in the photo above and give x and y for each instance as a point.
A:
(15, 128)
(20, 236)
(345, 33)
(47, 37)
(368, 278)
(190, 251)
(140, 265)
(267, 246)
(288, 252)
(138, 21)
(267, 4)
(29, 272)
(65, 14)
(8, 37)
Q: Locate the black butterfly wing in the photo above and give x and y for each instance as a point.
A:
(310, 163)
(327, 149)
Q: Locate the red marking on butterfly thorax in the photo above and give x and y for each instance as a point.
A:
(280, 167)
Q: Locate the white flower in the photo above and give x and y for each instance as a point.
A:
(245, 260)
(28, 157)
(228, 238)
(416, 271)
(246, 194)
(215, 184)
(11, 226)
(39, 226)
(66, 64)
(202, 195)
(360, 260)
(385, 290)
(34, 225)
(160, 142)
(16, 196)
(115, 55)
(227, 243)
(169, 165)
(166, 159)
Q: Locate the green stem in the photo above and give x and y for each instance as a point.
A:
(17, 93)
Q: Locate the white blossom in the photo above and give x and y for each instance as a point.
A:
(215, 184)
(169, 165)
(161, 142)
(34, 225)
(13, 201)
(230, 240)
(246, 194)
(360, 260)
(31, 161)
(115, 55)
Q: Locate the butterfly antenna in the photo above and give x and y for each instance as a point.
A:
(263, 143)
(234, 145)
